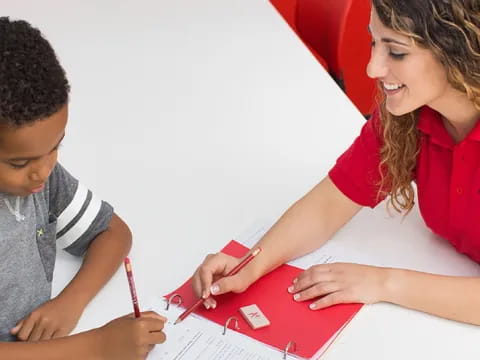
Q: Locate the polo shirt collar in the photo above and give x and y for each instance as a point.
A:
(430, 123)
(475, 133)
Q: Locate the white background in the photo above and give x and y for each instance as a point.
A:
(196, 118)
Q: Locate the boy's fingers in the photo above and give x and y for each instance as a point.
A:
(47, 334)
(153, 324)
(153, 315)
(17, 328)
(158, 337)
(59, 333)
(150, 347)
(25, 330)
(36, 333)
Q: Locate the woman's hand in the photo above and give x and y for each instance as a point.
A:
(209, 278)
(339, 283)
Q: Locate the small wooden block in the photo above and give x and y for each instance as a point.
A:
(254, 316)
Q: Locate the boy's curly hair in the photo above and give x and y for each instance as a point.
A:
(33, 85)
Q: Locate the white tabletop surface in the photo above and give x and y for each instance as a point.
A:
(195, 119)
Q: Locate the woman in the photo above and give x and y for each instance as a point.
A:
(426, 58)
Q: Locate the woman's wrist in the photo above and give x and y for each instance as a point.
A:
(392, 280)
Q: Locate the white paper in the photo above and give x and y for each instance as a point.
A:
(196, 338)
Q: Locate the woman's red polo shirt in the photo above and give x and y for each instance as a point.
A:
(447, 177)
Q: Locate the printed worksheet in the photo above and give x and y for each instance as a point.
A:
(198, 339)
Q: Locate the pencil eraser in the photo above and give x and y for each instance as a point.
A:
(254, 316)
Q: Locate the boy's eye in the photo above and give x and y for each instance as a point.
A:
(21, 165)
(18, 165)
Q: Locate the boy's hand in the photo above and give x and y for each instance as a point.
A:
(130, 338)
(53, 319)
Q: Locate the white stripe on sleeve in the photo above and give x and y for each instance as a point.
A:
(77, 230)
(73, 208)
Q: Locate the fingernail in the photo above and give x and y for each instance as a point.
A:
(214, 305)
(295, 280)
(214, 289)
(296, 296)
(204, 295)
(312, 306)
(290, 289)
(207, 306)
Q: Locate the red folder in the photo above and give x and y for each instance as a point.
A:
(290, 320)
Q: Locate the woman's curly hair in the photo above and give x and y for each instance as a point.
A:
(33, 85)
(451, 30)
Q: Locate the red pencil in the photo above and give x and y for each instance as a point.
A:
(235, 270)
(131, 283)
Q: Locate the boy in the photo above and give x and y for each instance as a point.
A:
(43, 206)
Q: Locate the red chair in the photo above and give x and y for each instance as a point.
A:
(337, 31)
(288, 9)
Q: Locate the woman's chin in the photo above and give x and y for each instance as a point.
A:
(398, 110)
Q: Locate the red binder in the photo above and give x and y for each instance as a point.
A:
(290, 320)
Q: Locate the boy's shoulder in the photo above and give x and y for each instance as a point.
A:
(60, 175)
(60, 186)
(59, 192)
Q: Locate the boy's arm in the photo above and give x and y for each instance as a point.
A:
(102, 259)
(125, 338)
(80, 346)
(60, 315)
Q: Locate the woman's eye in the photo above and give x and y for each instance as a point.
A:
(397, 56)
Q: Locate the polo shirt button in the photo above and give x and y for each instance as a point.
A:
(459, 190)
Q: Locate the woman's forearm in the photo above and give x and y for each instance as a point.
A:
(451, 297)
(307, 225)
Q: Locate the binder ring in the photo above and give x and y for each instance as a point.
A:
(291, 347)
(172, 298)
(228, 322)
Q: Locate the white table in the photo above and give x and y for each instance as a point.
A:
(194, 119)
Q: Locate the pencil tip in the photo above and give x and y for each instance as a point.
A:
(177, 321)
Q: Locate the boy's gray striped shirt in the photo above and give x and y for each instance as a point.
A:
(65, 215)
